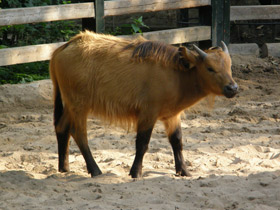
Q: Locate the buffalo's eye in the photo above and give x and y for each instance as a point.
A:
(211, 70)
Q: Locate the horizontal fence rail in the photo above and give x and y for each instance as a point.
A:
(86, 10)
(112, 8)
(260, 12)
(11, 56)
(27, 54)
(46, 13)
(180, 35)
(122, 7)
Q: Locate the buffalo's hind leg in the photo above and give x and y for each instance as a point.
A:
(62, 130)
(79, 133)
(174, 132)
(63, 138)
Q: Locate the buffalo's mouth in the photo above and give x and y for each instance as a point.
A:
(231, 90)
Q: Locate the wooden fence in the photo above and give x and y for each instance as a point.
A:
(214, 17)
(97, 9)
(256, 12)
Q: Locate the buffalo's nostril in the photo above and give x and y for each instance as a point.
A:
(230, 90)
(231, 87)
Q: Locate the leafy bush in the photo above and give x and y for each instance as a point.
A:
(130, 28)
(32, 34)
(23, 73)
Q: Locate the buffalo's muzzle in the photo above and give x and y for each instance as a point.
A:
(230, 90)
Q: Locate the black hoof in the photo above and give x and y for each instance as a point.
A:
(95, 173)
(64, 170)
(183, 172)
(135, 174)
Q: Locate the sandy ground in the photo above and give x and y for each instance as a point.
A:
(233, 153)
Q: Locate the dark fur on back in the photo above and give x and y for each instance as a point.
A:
(155, 52)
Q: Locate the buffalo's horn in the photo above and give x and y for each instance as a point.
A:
(200, 52)
(224, 46)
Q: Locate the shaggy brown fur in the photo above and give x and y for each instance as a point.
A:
(132, 83)
(155, 52)
(89, 52)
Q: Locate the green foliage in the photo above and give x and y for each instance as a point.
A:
(3, 46)
(32, 34)
(137, 24)
(130, 28)
(40, 33)
(28, 3)
(23, 73)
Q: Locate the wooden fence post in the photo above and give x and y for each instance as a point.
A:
(226, 22)
(99, 16)
(220, 21)
(97, 23)
(205, 14)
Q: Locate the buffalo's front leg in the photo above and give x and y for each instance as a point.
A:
(175, 140)
(142, 142)
(174, 132)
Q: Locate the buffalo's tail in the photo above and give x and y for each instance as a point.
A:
(58, 105)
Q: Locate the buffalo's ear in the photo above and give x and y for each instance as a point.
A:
(187, 58)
